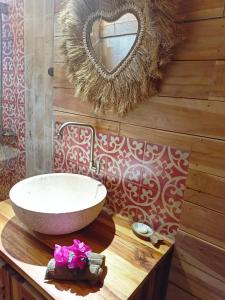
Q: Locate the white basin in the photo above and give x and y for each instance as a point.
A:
(57, 203)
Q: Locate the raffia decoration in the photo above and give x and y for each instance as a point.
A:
(137, 77)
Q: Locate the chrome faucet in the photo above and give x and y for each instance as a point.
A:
(94, 166)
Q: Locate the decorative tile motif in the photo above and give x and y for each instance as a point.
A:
(13, 92)
(145, 182)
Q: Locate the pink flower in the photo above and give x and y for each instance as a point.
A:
(78, 245)
(61, 255)
(74, 257)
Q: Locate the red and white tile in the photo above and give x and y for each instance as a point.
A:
(145, 182)
(13, 92)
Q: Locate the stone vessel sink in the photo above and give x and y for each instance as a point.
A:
(57, 203)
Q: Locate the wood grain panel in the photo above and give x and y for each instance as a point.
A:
(217, 91)
(16, 283)
(58, 56)
(205, 40)
(181, 79)
(7, 273)
(206, 83)
(29, 293)
(197, 282)
(205, 200)
(131, 266)
(203, 223)
(189, 79)
(60, 78)
(189, 10)
(176, 293)
(206, 183)
(204, 118)
(156, 136)
(2, 279)
(38, 26)
(201, 79)
(200, 9)
(57, 27)
(208, 155)
(196, 252)
(99, 124)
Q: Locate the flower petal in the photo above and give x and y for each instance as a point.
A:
(61, 255)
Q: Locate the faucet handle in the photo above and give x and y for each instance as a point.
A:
(95, 166)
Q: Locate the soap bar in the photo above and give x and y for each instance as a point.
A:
(142, 228)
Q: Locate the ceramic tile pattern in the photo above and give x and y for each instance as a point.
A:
(13, 91)
(145, 182)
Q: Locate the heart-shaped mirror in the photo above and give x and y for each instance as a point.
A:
(113, 41)
(115, 51)
(110, 39)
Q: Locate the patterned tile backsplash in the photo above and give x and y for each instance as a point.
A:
(13, 92)
(145, 181)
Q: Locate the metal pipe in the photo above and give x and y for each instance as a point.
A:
(93, 165)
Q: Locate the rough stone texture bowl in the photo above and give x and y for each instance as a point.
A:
(59, 203)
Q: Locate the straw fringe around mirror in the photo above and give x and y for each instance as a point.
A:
(137, 78)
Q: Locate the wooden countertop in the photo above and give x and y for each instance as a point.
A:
(129, 260)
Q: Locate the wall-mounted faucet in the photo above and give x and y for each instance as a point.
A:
(94, 166)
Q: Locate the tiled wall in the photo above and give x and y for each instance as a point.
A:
(13, 92)
(144, 181)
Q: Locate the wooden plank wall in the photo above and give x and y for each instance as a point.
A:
(38, 31)
(188, 113)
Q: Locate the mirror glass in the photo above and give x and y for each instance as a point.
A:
(112, 41)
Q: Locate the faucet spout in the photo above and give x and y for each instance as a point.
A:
(93, 165)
